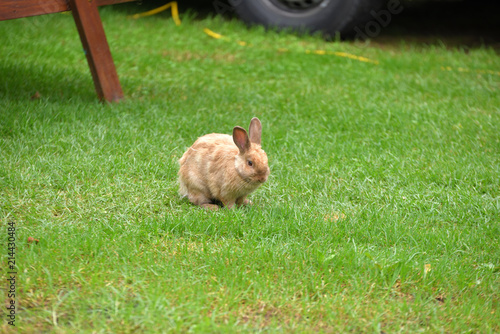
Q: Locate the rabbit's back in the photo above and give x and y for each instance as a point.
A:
(206, 163)
(209, 146)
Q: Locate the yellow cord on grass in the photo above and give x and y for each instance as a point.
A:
(212, 34)
(466, 70)
(215, 35)
(343, 54)
(174, 10)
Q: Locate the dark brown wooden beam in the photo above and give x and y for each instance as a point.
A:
(14, 9)
(96, 48)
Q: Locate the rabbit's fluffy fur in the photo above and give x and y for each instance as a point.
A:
(224, 169)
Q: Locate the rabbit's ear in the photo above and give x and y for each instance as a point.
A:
(240, 138)
(255, 131)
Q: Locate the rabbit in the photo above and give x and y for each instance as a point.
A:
(224, 169)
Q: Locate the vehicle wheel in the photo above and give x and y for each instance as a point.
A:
(326, 16)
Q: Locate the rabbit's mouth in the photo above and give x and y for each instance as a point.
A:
(254, 180)
(262, 178)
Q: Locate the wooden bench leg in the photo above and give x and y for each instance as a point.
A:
(89, 25)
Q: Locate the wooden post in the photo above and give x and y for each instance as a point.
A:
(91, 32)
(95, 45)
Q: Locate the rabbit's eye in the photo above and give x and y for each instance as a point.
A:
(249, 163)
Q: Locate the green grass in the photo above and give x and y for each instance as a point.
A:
(381, 212)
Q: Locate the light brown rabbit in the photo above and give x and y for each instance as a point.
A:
(222, 169)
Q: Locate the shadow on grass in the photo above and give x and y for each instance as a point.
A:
(23, 82)
(466, 24)
(460, 24)
(197, 10)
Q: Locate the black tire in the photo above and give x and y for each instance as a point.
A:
(327, 16)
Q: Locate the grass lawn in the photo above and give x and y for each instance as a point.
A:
(381, 214)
